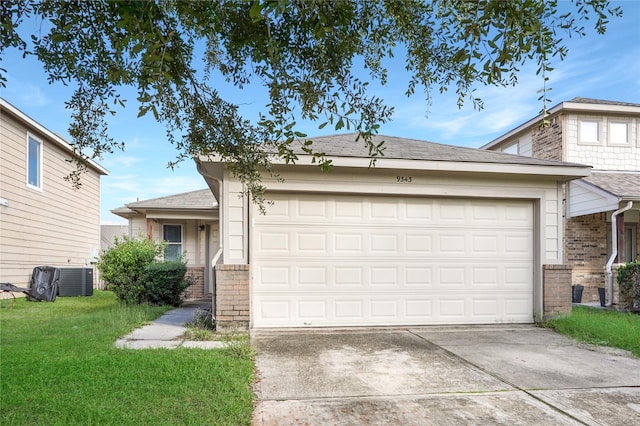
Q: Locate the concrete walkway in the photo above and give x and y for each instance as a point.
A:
(168, 331)
(495, 375)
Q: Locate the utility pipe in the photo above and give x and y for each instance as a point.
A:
(614, 252)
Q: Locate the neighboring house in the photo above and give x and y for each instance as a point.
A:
(43, 219)
(433, 234)
(109, 234)
(188, 224)
(606, 136)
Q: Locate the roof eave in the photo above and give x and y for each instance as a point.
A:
(49, 134)
(568, 171)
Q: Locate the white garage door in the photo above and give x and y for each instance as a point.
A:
(334, 260)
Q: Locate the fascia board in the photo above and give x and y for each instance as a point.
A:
(183, 215)
(570, 172)
(48, 133)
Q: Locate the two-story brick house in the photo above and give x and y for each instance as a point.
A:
(606, 136)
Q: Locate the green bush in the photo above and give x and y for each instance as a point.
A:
(629, 281)
(165, 282)
(122, 267)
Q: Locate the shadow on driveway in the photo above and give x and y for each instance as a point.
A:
(516, 375)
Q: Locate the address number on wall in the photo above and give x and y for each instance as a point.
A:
(404, 179)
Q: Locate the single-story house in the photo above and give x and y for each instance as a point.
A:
(433, 234)
(188, 224)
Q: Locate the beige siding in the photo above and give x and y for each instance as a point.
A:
(138, 227)
(585, 200)
(235, 216)
(58, 225)
(194, 241)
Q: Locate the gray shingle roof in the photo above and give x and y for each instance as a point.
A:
(344, 145)
(201, 199)
(623, 185)
(602, 102)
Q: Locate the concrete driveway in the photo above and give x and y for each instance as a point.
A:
(498, 375)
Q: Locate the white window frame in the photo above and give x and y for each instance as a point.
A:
(598, 123)
(168, 243)
(628, 133)
(30, 137)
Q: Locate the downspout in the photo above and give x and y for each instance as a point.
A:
(614, 252)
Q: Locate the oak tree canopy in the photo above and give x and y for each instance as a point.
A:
(314, 57)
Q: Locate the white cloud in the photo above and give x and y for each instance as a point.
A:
(119, 160)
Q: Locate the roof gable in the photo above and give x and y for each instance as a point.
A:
(575, 105)
(48, 134)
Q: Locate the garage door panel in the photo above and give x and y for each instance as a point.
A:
(485, 308)
(345, 260)
(518, 309)
(314, 242)
(311, 208)
(436, 243)
(312, 310)
(414, 309)
(347, 242)
(356, 273)
(274, 241)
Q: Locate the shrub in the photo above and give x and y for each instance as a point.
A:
(164, 283)
(629, 282)
(122, 267)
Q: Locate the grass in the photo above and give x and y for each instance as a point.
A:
(59, 366)
(201, 327)
(601, 327)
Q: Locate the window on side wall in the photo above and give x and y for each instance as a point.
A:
(34, 162)
(172, 236)
(589, 132)
(618, 133)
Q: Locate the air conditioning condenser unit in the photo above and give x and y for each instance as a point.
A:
(76, 282)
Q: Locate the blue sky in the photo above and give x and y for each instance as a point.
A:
(601, 67)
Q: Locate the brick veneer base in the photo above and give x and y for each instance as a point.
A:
(586, 251)
(622, 300)
(196, 290)
(232, 296)
(557, 290)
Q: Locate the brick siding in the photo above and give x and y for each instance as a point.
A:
(557, 290)
(586, 251)
(196, 290)
(232, 296)
(546, 143)
(622, 300)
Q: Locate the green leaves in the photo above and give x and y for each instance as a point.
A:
(308, 56)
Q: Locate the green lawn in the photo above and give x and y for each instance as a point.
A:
(59, 366)
(601, 327)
